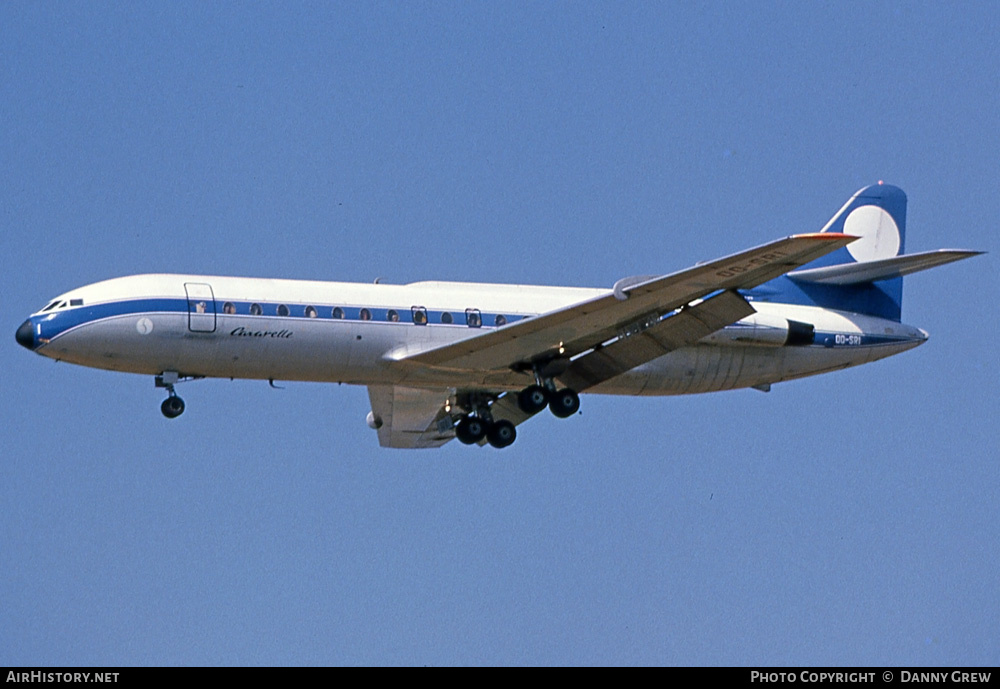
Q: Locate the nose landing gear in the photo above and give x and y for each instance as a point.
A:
(173, 406)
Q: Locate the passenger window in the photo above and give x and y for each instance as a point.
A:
(419, 315)
(446, 318)
(392, 316)
(229, 308)
(500, 320)
(255, 310)
(366, 315)
(282, 310)
(338, 312)
(473, 318)
(311, 312)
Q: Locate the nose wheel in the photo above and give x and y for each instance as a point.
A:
(173, 406)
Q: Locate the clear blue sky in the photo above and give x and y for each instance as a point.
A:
(845, 519)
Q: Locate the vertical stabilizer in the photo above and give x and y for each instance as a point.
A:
(876, 214)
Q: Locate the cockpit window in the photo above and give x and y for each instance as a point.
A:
(76, 302)
(53, 305)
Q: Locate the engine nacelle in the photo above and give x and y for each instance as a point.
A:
(765, 331)
(374, 422)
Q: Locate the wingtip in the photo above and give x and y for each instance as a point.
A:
(828, 236)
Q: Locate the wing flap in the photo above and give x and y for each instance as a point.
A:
(408, 417)
(683, 328)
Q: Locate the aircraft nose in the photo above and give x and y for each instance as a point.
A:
(26, 335)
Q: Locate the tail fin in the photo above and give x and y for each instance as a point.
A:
(876, 214)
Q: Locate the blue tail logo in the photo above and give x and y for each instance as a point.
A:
(877, 214)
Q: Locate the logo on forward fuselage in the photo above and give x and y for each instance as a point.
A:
(243, 332)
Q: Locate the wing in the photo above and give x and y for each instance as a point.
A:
(633, 305)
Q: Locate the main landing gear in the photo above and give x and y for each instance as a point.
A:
(562, 403)
(480, 424)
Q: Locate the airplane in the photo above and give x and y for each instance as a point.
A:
(445, 360)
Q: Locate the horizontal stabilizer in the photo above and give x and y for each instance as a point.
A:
(882, 269)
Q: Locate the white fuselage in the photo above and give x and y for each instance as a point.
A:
(228, 327)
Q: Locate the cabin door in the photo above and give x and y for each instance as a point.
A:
(201, 307)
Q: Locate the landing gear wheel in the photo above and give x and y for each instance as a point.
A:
(501, 434)
(470, 430)
(172, 407)
(533, 399)
(564, 403)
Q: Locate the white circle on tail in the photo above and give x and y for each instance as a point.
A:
(878, 231)
(144, 326)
